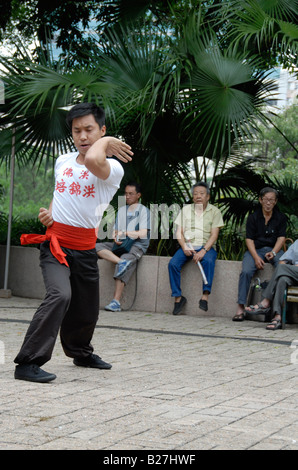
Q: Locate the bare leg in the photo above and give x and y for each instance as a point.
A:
(275, 323)
(265, 303)
(119, 287)
(109, 256)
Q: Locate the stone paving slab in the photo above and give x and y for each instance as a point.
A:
(177, 384)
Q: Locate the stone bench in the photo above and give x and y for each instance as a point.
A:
(150, 283)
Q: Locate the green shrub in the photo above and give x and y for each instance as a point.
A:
(18, 227)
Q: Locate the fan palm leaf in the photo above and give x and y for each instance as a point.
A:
(36, 104)
(269, 24)
(222, 96)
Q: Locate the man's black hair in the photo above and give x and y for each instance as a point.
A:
(135, 185)
(268, 190)
(83, 109)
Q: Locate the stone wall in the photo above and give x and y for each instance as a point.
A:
(150, 283)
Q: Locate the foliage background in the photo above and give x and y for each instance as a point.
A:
(178, 79)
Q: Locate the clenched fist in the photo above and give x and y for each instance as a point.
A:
(45, 216)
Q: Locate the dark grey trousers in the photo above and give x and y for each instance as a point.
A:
(134, 255)
(71, 304)
(284, 275)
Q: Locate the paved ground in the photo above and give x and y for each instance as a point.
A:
(177, 383)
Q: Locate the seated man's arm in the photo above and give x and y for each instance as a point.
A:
(277, 247)
(182, 242)
(259, 262)
(142, 233)
(142, 225)
(213, 238)
(208, 245)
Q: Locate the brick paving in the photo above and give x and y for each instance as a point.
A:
(182, 383)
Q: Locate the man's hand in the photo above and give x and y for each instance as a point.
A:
(45, 217)
(187, 251)
(199, 255)
(259, 262)
(269, 256)
(118, 148)
(119, 237)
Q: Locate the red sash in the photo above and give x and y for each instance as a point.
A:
(75, 238)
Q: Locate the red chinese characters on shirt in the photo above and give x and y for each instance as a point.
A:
(89, 191)
(75, 189)
(68, 172)
(84, 175)
(61, 186)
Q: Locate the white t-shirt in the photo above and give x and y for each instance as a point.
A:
(80, 198)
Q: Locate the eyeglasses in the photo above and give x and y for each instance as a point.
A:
(270, 201)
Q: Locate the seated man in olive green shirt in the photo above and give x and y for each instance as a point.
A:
(198, 228)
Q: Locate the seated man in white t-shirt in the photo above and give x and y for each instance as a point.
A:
(84, 180)
(133, 221)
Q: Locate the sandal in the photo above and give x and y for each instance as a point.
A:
(260, 309)
(239, 317)
(275, 324)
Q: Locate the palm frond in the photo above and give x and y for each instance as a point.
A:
(221, 97)
(269, 24)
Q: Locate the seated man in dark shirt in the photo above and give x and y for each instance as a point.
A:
(265, 236)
